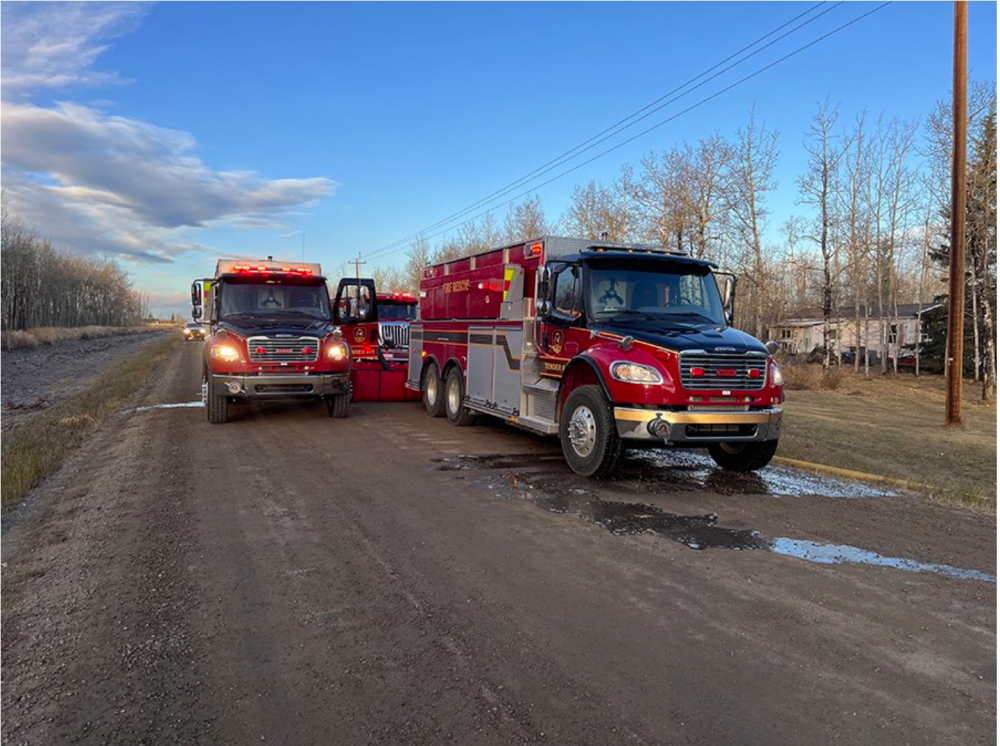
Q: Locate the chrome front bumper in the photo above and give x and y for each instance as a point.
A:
(281, 386)
(697, 426)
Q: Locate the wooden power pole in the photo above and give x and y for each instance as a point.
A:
(956, 271)
(357, 267)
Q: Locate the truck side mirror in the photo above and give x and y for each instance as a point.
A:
(728, 292)
(196, 294)
(771, 347)
(542, 292)
(196, 312)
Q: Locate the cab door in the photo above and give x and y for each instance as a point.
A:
(355, 311)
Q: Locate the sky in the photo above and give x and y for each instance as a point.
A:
(168, 135)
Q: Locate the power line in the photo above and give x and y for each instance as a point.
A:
(628, 121)
(382, 253)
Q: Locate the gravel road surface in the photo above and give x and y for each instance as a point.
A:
(389, 579)
(35, 379)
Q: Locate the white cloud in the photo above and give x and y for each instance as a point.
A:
(56, 46)
(99, 183)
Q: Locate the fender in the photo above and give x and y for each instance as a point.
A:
(427, 361)
(452, 362)
(582, 359)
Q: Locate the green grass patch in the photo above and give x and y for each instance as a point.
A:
(36, 449)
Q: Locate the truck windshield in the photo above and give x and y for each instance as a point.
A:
(273, 299)
(673, 293)
(390, 311)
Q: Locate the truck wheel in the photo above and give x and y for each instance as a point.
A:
(743, 456)
(590, 441)
(337, 405)
(216, 405)
(430, 387)
(458, 415)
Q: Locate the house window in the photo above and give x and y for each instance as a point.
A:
(893, 334)
(786, 333)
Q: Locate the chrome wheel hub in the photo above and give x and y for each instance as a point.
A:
(432, 389)
(454, 396)
(582, 431)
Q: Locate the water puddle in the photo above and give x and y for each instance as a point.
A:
(494, 461)
(558, 492)
(835, 554)
(175, 405)
(676, 468)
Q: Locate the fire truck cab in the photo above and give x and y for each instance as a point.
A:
(270, 336)
(605, 345)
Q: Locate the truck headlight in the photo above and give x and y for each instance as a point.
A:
(776, 378)
(337, 351)
(635, 373)
(225, 352)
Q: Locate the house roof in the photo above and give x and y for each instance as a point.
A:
(814, 315)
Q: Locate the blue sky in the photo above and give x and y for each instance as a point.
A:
(169, 134)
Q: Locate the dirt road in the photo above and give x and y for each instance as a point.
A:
(291, 579)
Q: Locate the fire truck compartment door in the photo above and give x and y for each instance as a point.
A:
(507, 368)
(416, 359)
(479, 386)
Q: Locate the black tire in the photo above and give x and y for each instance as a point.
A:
(338, 405)
(590, 441)
(431, 391)
(743, 456)
(454, 393)
(216, 405)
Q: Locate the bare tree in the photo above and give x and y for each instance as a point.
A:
(752, 178)
(817, 187)
(524, 221)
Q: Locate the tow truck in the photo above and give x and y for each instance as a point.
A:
(270, 336)
(605, 345)
(376, 326)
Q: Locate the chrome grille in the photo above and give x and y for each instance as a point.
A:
(730, 371)
(394, 333)
(283, 349)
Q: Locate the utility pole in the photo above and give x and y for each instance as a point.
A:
(357, 266)
(956, 271)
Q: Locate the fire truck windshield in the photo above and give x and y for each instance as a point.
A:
(259, 298)
(391, 311)
(656, 292)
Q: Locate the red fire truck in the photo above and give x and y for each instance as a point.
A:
(271, 336)
(376, 325)
(605, 345)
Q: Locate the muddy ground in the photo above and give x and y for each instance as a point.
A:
(287, 578)
(35, 379)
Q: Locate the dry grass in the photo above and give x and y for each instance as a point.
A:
(32, 452)
(893, 427)
(809, 377)
(49, 335)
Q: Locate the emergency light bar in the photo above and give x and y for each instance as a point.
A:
(250, 267)
(636, 249)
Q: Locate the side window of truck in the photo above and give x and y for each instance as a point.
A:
(566, 297)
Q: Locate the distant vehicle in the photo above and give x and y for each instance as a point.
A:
(605, 345)
(193, 330)
(271, 336)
